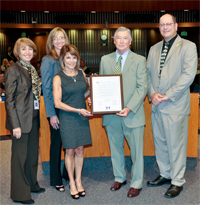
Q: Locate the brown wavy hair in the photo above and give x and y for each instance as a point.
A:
(68, 48)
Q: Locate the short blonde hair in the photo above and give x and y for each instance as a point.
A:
(67, 48)
(24, 41)
(5, 59)
(49, 46)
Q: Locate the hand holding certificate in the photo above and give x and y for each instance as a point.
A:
(106, 94)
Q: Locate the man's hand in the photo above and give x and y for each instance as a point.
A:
(156, 98)
(54, 121)
(165, 98)
(124, 112)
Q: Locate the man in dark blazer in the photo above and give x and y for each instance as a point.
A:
(131, 120)
(171, 70)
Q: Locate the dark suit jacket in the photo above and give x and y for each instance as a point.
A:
(18, 98)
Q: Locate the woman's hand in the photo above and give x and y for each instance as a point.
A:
(54, 121)
(85, 113)
(17, 132)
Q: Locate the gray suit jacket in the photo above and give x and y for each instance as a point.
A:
(18, 98)
(135, 84)
(49, 69)
(177, 75)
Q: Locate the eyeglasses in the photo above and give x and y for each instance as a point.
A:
(167, 25)
(58, 38)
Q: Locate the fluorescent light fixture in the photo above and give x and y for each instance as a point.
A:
(93, 12)
(46, 12)
(23, 11)
(186, 10)
(116, 12)
(162, 11)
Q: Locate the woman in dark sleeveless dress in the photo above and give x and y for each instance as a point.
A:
(69, 89)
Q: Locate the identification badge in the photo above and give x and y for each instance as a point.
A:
(36, 105)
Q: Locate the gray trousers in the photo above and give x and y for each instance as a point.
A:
(170, 134)
(116, 131)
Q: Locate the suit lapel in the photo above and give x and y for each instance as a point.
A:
(128, 62)
(24, 73)
(158, 55)
(113, 61)
(174, 47)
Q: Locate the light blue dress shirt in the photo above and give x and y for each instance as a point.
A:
(124, 56)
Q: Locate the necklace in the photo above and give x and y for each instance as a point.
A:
(73, 78)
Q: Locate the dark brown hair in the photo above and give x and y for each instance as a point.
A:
(68, 48)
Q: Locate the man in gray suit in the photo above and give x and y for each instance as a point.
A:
(171, 65)
(131, 120)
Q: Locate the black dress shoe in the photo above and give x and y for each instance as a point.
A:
(41, 190)
(173, 191)
(26, 201)
(159, 181)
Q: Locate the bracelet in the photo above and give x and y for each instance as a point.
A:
(79, 111)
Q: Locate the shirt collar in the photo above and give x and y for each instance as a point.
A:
(171, 41)
(124, 56)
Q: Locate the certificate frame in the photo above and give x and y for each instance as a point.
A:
(105, 98)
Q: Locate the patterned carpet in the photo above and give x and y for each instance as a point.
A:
(97, 179)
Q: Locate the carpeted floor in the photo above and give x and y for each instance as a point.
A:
(97, 178)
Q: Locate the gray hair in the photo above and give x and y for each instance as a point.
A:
(123, 29)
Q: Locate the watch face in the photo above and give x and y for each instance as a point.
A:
(104, 37)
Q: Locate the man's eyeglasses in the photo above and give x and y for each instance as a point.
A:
(58, 38)
(167, 25)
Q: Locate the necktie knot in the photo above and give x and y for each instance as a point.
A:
(118, 66)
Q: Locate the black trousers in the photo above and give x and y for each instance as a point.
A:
(24, 163)
(55, 159)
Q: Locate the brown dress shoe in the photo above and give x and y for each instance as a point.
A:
(117, 185)
(133, 192)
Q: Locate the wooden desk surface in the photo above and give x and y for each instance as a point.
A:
(3, 130)
(100, 145)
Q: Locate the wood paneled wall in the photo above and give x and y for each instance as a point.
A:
(89, 43)
(91, 5)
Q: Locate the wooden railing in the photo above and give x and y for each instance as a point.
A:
(100, 146)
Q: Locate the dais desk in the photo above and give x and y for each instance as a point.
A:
(3, 130)
(100, 145)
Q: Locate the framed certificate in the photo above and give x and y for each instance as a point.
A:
(106, 94)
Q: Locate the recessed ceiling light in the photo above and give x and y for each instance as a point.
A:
(23, 11)
(186, 10)
(93, 12)
(162, 11)
(46, 11)
(116, 11)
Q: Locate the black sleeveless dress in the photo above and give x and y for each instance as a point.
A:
(74, 128)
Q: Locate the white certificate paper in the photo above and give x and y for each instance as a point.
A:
(106, 94)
